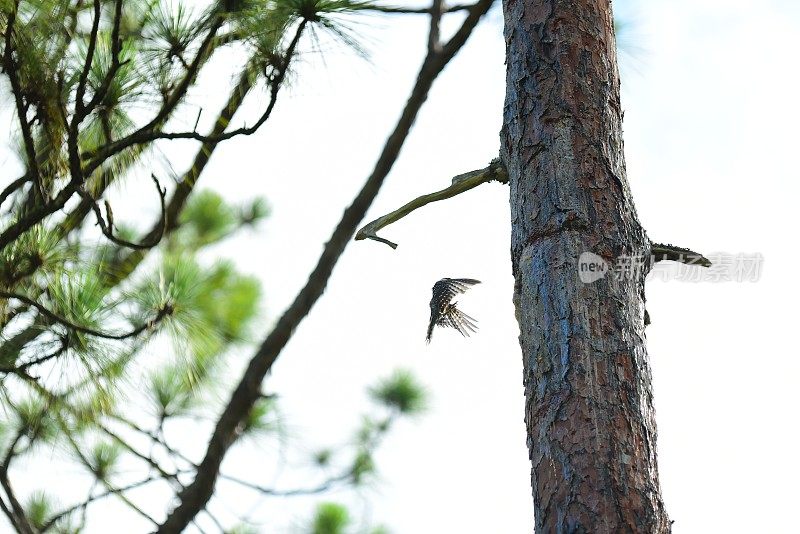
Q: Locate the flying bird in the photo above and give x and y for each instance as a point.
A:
(444, 312)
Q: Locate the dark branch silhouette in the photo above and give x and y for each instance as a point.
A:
(197, 494)
(107, 227)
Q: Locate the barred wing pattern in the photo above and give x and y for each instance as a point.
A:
(443, 310)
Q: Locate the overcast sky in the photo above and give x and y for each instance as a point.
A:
(711, 144)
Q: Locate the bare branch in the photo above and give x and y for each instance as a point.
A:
(461, 183)
(85, 461)
(152, 239)
(312, 490)
(661, 252)
(417, 10)
(14, 186)
(110, 490)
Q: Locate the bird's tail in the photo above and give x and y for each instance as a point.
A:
(430, 332)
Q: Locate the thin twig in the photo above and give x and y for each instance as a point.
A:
(108, 492)
(154, 438)
(55, 354)
(214, 520)
(85, 461)
(107, 228)
(9, 514)
(147, 459)
(80, 106)
(312, 490)
(417, 10)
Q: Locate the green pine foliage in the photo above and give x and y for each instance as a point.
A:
(330, 518)
(39, 507)
(110, 345)
(401, 393)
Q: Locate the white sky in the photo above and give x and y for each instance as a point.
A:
(711, 118)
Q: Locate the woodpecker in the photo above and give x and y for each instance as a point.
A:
(444, 312)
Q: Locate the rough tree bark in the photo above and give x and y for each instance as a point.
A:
(589, 406)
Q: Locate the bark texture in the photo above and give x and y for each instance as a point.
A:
(589, 405)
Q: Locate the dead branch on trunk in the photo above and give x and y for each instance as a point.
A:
(662, 252)
(494, 172)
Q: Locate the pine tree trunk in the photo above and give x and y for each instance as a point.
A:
(589, 404)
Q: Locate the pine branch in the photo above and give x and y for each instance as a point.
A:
(162, 313)
(11, 69)
(187, 183)
(116, 48)
(79, 114)
(146, 133)
(165, 225)
(197, 494)
(78, 173)
(80, 107)
(148, 136)
(79, 213)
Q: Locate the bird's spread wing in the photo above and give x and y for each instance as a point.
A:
(447, 288)
(460, 321)
(443, 313)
